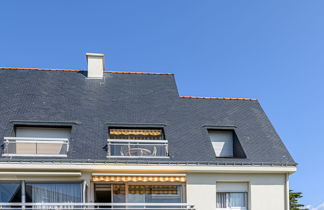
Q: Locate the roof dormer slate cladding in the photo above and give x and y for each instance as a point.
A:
(66, 96)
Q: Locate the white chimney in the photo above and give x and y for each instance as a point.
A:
(96, 65)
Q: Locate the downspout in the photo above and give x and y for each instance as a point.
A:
(287, 191)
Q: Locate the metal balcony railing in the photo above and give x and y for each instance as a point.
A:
(26, 146)
(137, 148)
(93, 206)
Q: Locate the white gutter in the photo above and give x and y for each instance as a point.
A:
(145, 168)
(17, 173)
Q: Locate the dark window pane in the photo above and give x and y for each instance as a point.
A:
(10, 192)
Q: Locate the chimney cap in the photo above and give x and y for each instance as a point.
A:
(95, 54)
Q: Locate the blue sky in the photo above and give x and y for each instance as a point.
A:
(270, 50)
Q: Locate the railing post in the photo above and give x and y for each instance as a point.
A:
(23, 195)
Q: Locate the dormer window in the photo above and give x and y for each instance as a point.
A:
(222, 141)
(137, 142)
(38, 141)
(226, 144)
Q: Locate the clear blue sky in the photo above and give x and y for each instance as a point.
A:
(270, 50)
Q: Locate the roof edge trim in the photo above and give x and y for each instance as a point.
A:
(40, 69)
(76, 70)
(219, 98)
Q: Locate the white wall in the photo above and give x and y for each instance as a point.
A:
(266, 191)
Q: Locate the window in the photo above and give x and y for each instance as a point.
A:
(138, 193)
(54, 192)
(154, 194)
(41, 192)
(222, 141)
(231, 200)
(10, 192)
(38, 141)
(232, 196)
(137, 142)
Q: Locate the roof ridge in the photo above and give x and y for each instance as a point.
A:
(78, 70)
(40, 69)
(220, 98)
(129, 72)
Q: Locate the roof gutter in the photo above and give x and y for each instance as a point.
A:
(147, 168)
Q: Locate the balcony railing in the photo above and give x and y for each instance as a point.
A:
(137, 148)
(26, 146)
(93, 206)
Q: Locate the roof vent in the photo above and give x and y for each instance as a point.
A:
(96, 65)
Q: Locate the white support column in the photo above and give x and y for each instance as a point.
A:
(287, 192)
(84, 192)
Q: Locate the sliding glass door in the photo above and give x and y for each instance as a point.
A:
(54, 192)
(40, 192)
(138, 193)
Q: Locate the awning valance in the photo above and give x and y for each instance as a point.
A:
(141, 132)
(139, 178)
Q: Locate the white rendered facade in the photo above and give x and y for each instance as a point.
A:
(268, 186)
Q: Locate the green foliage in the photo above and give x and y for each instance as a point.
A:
(293, 200)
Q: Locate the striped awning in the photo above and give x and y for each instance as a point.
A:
(139, 178)
(140, 132)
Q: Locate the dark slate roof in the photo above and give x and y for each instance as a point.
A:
(91, 105)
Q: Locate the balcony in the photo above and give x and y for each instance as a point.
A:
(126, 148)
(92, 206)
(45, 147)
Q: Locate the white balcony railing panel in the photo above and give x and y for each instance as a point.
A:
(93, 206)
(128, 148)
(27, 146)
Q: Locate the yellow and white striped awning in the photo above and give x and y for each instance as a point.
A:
(141, 132)
(138, 178)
